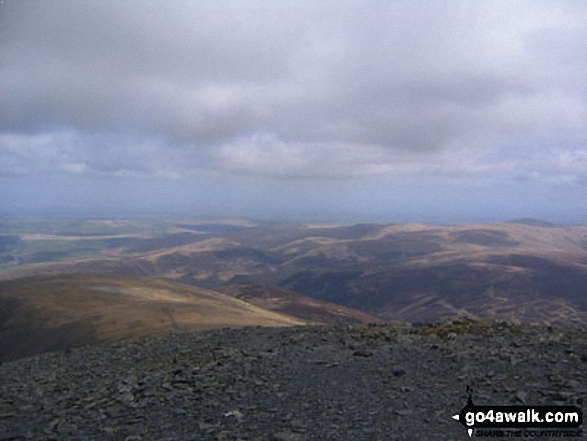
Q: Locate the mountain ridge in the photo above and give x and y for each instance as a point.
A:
(412, 272)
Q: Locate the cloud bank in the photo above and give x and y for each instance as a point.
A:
(294, 90)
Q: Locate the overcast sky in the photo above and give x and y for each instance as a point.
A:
(442, 112)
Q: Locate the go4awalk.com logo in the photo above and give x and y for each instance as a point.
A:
(518, 421)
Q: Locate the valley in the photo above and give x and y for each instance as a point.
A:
(106, 280)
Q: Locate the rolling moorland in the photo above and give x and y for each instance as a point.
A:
(527, 270)
(117, 279)
(47, 313)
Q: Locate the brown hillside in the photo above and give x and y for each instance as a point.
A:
(296, 305)
(40, 314)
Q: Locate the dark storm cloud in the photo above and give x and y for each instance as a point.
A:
(294, 89)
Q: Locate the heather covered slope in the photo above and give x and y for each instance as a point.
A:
(40, 314)
(295, 305)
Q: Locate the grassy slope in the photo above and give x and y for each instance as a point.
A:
(55, 312)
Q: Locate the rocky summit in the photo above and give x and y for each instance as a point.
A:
(352, 382)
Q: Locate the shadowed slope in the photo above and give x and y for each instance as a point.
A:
(296, 305)
(41, 314)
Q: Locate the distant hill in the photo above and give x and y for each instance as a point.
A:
(40, 314)
(532, 222)
(526, 271)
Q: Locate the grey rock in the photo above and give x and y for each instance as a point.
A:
(398, 371)
(398, 383)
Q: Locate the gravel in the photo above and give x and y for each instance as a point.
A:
(356, 382)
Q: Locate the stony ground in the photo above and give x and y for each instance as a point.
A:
(305, 383)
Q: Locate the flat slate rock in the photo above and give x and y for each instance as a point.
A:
(362, 382)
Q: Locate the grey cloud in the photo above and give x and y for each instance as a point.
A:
(176, 86)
